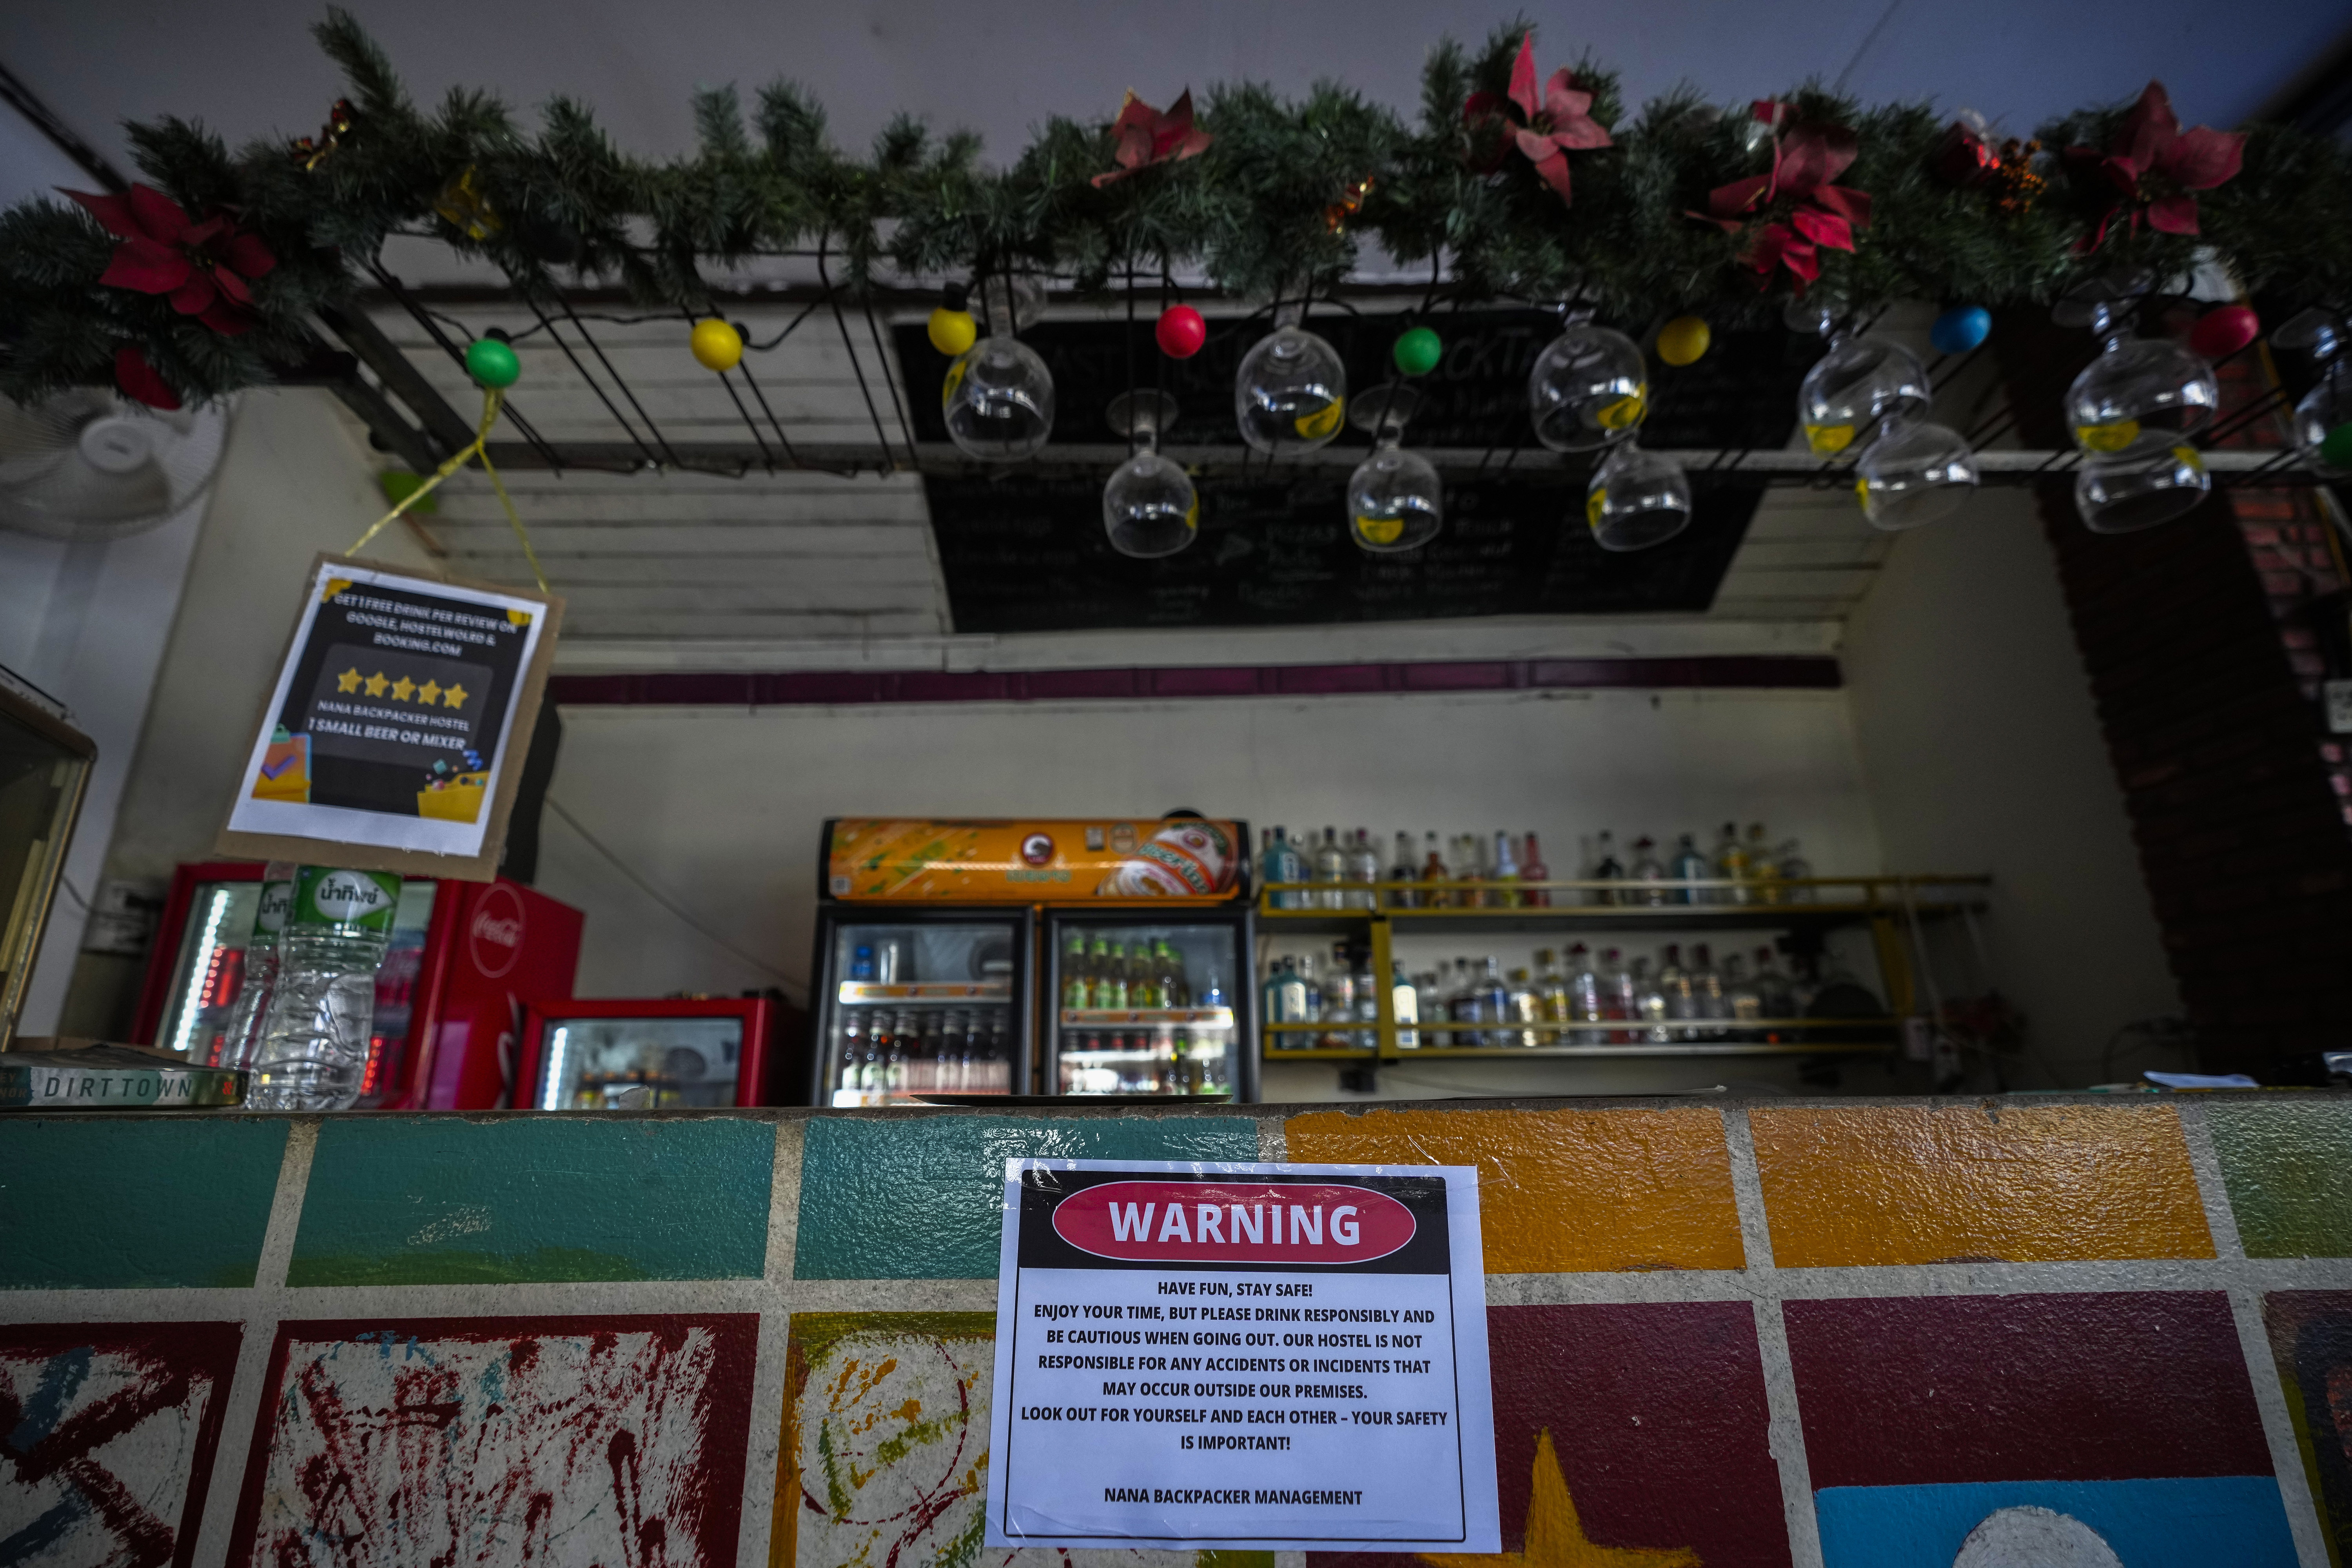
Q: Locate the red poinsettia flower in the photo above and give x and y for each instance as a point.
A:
(2154, 165)
(1145, 136)
(140, 380)
(1547, 128)
(1806, 159)
(207, 268)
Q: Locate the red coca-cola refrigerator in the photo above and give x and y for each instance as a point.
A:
(467, 959)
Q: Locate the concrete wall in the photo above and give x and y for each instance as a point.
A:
(1981, 751)
(297, 479)
(720, 808)
(767, 1338)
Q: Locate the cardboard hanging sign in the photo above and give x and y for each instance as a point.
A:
(394, 734)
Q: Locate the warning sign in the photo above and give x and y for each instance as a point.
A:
(1266, 1356)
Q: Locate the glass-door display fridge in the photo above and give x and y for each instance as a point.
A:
(944, 965)
(671, 1054)
(466, 959)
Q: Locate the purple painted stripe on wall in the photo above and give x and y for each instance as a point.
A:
(1804, 672)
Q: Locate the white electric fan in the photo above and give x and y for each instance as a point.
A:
(85, 465)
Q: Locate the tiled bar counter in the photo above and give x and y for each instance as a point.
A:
(1724, 1333)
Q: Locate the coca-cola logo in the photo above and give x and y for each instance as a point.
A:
(494, 936)
(1232, 1222)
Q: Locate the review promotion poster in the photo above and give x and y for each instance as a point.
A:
(398, 723)
(1271, 1357)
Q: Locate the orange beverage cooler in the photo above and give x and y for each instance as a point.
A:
(985, 960)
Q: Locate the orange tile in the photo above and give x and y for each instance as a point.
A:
(1562, 1192)
(1916, 1183)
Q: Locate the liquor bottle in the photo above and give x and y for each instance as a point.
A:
(1285, 1000)
(852, 1055)
(1506, 873)
(1312, 979)
(1551, 993)
(1533, 870)
(1339, 996)
(1707, 990)
(1111, 988)
(1363, 865)
(1763, 866)
(1584, 1001)
(1605, 868)
(1464, 849)
(1690, 866)
(1368, 1001)
(1494, 1004)
(1461, 1005)
(904, 1035)
(1773, 996)
(1077, 977)
(1270, 866)
(1404, 1001)
(1731, 865)
(1099, 973)
(996, 1060)
(1648, 874)
(1142, 980)
(1741, 999)
(1795, 868)
(1433, 869)
(1524, 1007)
(1403, 870)
(1649, 1002)
(1617, 993)
(1330, 865)
(1429, 1003)
(1673, 981)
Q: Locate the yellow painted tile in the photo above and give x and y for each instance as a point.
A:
(1915, 1183)
(1562, 1192)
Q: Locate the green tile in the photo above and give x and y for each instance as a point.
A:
(921, 1197)
(2288, 1166)
(106, 1205)
(432, 1200)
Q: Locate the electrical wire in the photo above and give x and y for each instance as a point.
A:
(657, 895)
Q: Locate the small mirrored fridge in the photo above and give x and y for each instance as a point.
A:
(664, 1054)
(918, 1004)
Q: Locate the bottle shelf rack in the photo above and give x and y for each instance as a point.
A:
(1887, 904)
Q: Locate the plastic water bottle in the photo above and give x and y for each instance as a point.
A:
(314, 1046)
(244, 1032)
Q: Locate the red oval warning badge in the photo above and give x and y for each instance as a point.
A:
(1232, 1222)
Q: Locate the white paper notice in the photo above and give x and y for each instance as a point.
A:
(1263, 1356)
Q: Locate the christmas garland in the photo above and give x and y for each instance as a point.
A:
(204, 278)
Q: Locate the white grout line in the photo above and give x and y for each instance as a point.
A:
(769, 1369)
(285, 1204)
(1784, 1427)
(2278, 1428)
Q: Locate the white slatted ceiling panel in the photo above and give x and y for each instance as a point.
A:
(682, 557)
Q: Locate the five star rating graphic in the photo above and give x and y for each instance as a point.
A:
(403, 689)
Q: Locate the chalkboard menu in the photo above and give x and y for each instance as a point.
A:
(1023, 549)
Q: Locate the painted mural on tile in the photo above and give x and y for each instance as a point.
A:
(108, 1433)
(2311, 1337)
(2097, 1429)
(1626, 1436)
(454, 1442)
(884, 1460)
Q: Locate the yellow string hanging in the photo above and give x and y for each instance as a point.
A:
(491, 399)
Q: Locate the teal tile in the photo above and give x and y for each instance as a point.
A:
(2288, 1166)
(105, 1205)
(432, 1200)
(921, 1197)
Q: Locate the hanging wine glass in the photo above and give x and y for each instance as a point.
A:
(1395, 500)
(1914, 473)
(998, 397)
(1857, 383)
(1291, 392)
(2123, 495)
(1150, 507)
(1589, 388)
(1637, 499)
(2322, 420)
(2142, 395)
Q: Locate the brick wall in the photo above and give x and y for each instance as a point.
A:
(2206, 674)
